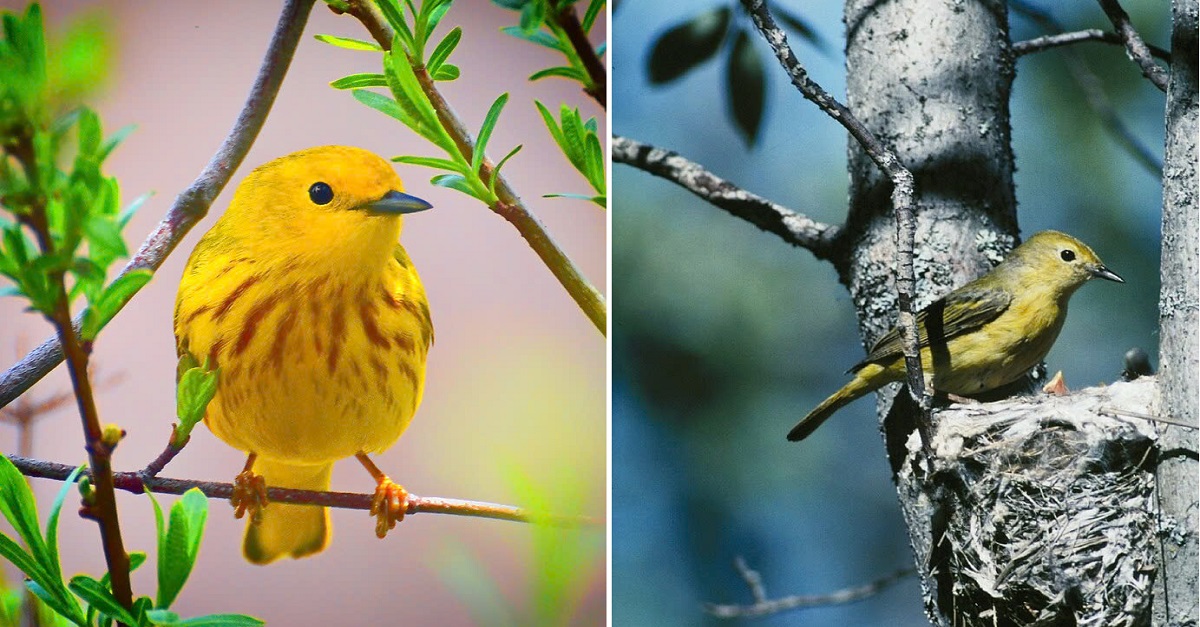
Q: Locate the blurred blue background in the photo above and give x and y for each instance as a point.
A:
(723, 336)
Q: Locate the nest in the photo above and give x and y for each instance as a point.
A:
(1047, 516)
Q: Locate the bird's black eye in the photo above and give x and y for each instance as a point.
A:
(1067, 254)
(320, 193)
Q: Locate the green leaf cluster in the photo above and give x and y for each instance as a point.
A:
(581, 145)
(410, 104)
(66, 221)
(85, 600)
(537, 25)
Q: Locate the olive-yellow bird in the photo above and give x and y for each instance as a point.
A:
(985, 334)
(304, 299)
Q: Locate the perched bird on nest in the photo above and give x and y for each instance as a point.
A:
(985, 334)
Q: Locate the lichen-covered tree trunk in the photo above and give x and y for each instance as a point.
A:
(1035, 510)
(1176, 589)
(931, 79)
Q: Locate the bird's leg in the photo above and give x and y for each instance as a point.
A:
(249, 492)
(390, 502)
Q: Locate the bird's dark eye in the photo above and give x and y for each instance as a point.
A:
(1067, 254)
(320, 193)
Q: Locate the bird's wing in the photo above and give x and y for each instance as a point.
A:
(959, 312)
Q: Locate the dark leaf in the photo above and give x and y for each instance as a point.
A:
(747, 87)
(802, 28)
(687, 45)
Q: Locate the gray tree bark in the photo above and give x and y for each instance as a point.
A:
(1036, 510)
(931, 79)
(1177, 590)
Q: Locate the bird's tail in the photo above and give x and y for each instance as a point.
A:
(286, 529)
(855, 389)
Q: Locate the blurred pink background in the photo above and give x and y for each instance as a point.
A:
(516, 378)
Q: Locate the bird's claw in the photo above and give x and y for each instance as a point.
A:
(388, 506)
(249, 495)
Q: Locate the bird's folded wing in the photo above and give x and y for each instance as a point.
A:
(959, 312)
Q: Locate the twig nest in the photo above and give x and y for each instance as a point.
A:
(1042, 509)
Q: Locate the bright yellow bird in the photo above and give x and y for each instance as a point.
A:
(305, 300)
(985, 334)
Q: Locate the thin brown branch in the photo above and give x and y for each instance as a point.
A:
(134, 481)
(192, 204)
(568, 21)
(765, 607)
(902, 199)
(104, 508)
(510, 207)
(1136, 48)
(794, 228)
(1046, 42)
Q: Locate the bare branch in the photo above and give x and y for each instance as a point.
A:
(1138, 52)
(765, 607)
(1046, 42)
(902, 199)
(794, 228)
(138, 482)
(192, 204)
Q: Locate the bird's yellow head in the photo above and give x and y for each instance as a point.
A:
(330, 205)
(1058, 262)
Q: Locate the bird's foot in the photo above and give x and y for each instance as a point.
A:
(249, 495)
(388, 506)
(966, 400)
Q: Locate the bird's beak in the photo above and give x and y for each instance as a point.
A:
(1104, 273)
(394, 203)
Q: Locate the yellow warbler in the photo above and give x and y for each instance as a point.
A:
(985, 334)
(305, 300)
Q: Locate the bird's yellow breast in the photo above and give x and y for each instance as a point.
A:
(314, 366)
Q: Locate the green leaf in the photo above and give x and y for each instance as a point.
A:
(214, 620)
(500, 164)
(594, 159)
(687, 45)
(595, 7)
(485, 131)
(561, 71)
(455, 181)
(177, 552)
(443, 50)
(90, 135)
(539, 37)
(112, 300)
(52, 521)
(104, 236)
(431, 162)
(115, 140)
(63, 602)
(532, 16)
(20, 509)
(447, 72)
(746, 87)
(596, 199)
(392, 13)
(196, 387)
(551, 125)
(356, 81)
(386, 106)
(98, 596)
(348, 43)
(128, 212)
